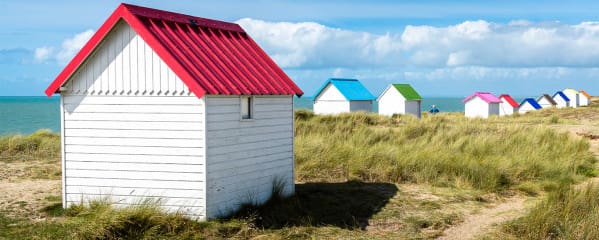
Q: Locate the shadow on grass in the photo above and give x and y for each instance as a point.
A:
(347, 205)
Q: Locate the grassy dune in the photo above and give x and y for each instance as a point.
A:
(42, 144)
(567, 213)
(443, 150)
(356, 172)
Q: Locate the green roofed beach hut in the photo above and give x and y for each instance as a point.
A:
(339, 95)
(399, 99)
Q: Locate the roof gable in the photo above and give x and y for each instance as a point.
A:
(407, 92)
(509, 100)
(547, 98)
(351, 89)
(209, 56)
(562, 95)
(532, 102)
(485, 96)
(570, 90)
(583, 92)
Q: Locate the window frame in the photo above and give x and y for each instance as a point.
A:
(250, 105)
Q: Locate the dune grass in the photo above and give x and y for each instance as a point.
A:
(442, 150)
(567, 213)
(42, 144)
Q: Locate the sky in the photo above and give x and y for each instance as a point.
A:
(442, 48)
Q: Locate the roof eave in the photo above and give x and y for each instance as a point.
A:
(85, 51)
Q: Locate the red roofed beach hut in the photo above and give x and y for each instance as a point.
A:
(184, 109)
(508, 105)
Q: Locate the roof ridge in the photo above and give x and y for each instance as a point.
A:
(342, 79)
(181, 18)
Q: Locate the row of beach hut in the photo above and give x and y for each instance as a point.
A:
(339, 95)
(485, 104)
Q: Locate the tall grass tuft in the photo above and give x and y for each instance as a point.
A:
(145, 220)
(567, 213)
(443, 150)
(42, 144)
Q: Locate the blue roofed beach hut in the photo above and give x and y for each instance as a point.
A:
(338, 95)
(561, 99)
(529, 104)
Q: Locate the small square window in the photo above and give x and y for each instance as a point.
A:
(246, 107)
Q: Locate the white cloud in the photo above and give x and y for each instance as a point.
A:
(65, 52)
(42, 53)
(71, 46)
(517, 44)
(312, 45)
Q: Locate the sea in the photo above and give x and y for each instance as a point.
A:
(25, 115)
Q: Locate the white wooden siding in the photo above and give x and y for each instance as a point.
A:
(583, 100)
(544, 102)
(505, 108)
(526, 107)
(561, 102)
(132, 129)
(574, 98)
(476, 107)
(330, 101)
(391, 102)
(125, 65)
(245, 156)
(127, 148)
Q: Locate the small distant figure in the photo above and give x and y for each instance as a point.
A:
(434, 109)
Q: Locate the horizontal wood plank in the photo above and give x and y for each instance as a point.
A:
(170, 151)
(183, 126)
(134, 158)
(134, 183)
(135, 175)
(165, 134)
(144, 167)
(136, 117)
(135, 192)
(131, 108)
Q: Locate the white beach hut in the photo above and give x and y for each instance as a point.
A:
(481, 104)
(546, 101)
(573, 96)
(508, 105)
(529, 104)
(561, 100)
(584, 98)
(339, 95)
(399, 99)
(180, 108)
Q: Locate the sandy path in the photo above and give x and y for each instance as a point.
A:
(26, 198)
(23, 196)
(483, 221)
(479, 223)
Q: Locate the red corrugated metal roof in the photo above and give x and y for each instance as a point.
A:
(211, 57)
(509, 99)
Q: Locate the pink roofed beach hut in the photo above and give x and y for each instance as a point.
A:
(481, 104)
